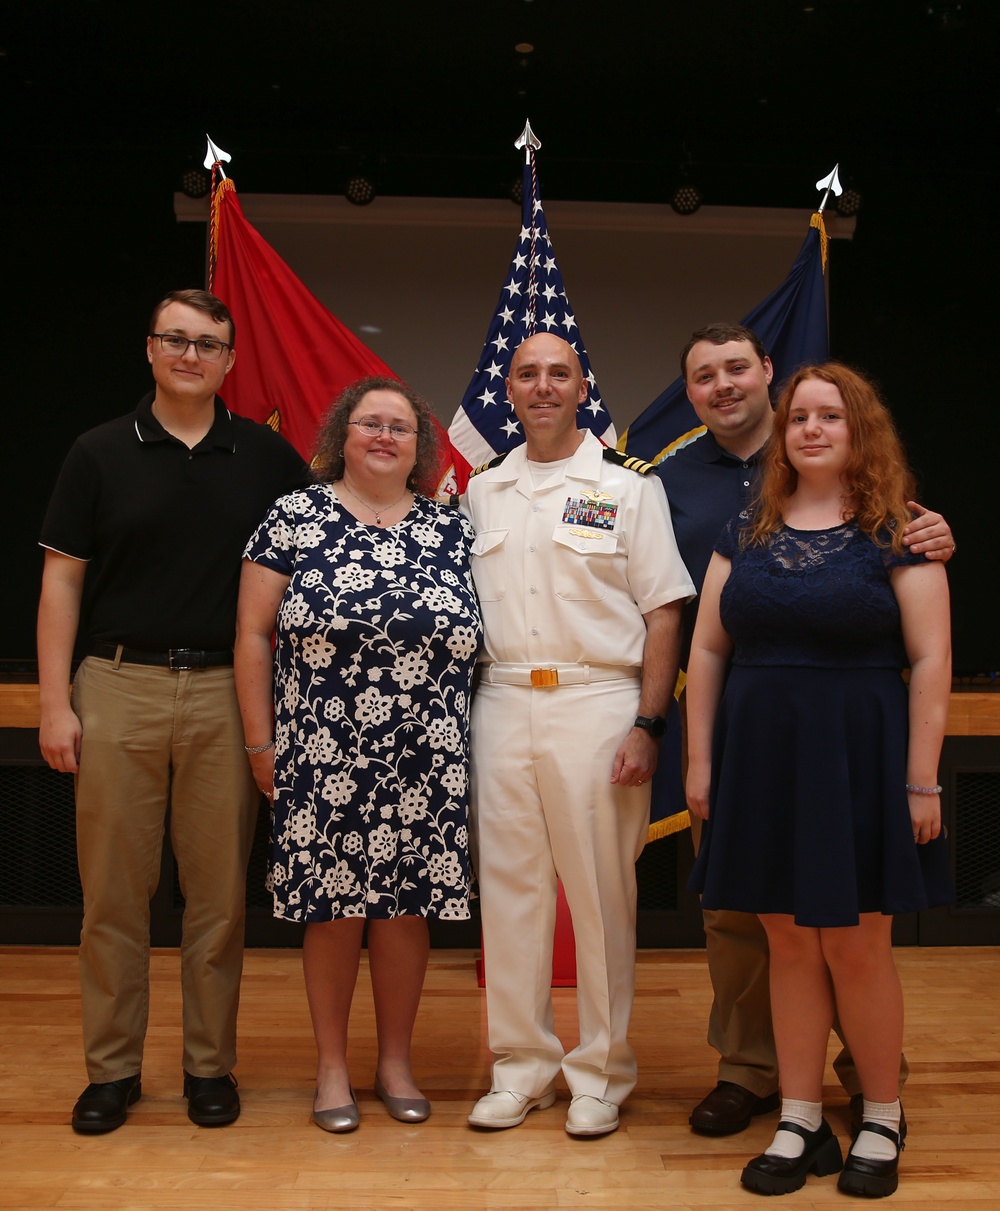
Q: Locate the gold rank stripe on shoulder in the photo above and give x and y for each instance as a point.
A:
(628, 461)
(494, 462)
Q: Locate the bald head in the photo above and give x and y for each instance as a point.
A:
(548, 346)
(546, 386)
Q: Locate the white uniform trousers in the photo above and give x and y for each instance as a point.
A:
(543, 807)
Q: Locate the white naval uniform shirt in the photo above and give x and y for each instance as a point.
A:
(557, 591)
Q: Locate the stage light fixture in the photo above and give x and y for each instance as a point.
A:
(360, 189)
(195, 183)
(848, 204)
(686, 198)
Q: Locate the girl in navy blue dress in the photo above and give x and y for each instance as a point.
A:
(812, 762)
(368, 586)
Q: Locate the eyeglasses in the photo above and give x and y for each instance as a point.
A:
(372, 428)
(176, 346)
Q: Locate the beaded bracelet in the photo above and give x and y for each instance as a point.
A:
(923, 790)
(254, 749)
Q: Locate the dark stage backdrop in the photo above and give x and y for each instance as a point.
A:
(91, 249)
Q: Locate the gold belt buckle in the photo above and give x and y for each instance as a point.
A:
(542, 678)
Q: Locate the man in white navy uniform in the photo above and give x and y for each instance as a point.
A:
(581, 588)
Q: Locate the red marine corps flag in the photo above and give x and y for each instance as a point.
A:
(294, 356)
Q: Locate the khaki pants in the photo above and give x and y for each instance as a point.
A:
(154, 739)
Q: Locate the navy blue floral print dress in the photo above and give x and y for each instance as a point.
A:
(377, 636)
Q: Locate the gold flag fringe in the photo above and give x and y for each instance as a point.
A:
(213, 248)
(668, 826)
(817, 221)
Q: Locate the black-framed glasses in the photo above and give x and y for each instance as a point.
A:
(208, 350)
(372, 428)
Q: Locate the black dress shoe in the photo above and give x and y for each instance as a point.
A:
(779, 1175)
(873, 1179)
(212, 1100)
(858, 1116)
(102, 1106)
(729, 1109)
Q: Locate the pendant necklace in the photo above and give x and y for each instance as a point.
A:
(377, 512)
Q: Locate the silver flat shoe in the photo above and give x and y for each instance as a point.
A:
(405, 1109)
(340, 1118)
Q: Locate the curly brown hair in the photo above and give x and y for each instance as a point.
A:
(877, 479)
(328, 461)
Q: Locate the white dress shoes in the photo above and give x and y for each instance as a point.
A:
(591, 1116)
(507, 1109)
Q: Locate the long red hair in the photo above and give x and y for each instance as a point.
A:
(877, 479)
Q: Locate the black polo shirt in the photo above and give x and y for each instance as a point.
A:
(705, 486)
(163, 527)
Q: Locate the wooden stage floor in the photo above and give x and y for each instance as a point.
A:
(274, 1159)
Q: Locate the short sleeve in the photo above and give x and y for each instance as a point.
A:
(273, 543)
(896, 559)
(70, 518)
(728, 542)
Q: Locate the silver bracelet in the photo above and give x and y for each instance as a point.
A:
(923, 790)
(254, 749)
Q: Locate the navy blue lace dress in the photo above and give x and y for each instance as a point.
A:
(378, 632)
(808, 812)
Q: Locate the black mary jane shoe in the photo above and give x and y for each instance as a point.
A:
(781, 1175)
(869, 1178)
(858, 1117)
(103, 1105)
(212, 1100)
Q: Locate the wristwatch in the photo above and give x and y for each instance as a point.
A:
(656, 725)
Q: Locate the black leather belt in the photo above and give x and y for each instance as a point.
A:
(176, 659)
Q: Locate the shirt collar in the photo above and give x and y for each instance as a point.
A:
(707, 450)
(584, 463)
(149, 429)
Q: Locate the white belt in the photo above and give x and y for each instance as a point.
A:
(546, 676)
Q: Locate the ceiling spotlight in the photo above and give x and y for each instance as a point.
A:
(360, 189)
(686, 198)
(195, 183)
(848, 204)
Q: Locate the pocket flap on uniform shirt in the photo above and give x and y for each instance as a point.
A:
(487, 540)
(587, 542)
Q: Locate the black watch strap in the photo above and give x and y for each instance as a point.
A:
(656, 725)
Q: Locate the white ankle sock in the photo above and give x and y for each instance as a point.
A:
(808, 1115)
(876, 1147)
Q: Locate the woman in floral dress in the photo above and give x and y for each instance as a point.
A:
(367, 585)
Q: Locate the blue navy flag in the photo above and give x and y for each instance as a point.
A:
(532, 300)
(791, 323)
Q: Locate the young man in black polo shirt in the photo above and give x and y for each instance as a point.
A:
(708, 480)
(144, 536)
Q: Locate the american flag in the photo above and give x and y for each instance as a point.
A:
(532, 300)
